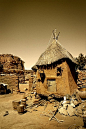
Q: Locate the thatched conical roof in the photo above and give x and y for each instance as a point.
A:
(54, 53)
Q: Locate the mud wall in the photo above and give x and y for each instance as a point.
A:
(11, 79)
(65, 82)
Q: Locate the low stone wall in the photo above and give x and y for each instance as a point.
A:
(11, 79)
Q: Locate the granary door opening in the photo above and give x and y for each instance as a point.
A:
(51, 83)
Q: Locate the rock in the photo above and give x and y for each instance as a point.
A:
(72, 104)
(36, 101)
(79, 111)
(52, 100)
(71, 110)
(25, 89)
(55, 109)
(65, 106)
(35, 110)
(50, 97)
(84, 105)
(80, 106)
(76, 113)
(37, 97)
(32, 92)
(76, 102)
(79, 83)
(63, 111)
(84, 112)
(68, 97)
(6, 113)
(66, 102)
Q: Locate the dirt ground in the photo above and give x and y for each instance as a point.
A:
(32, 118)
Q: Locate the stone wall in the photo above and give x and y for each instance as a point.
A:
(11, 79)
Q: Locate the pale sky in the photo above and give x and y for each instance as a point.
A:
(26, 27)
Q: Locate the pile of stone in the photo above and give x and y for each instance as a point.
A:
(81, 81)
(73, 106)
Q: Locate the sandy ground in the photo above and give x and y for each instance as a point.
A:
(32, 118)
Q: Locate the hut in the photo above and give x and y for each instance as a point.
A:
(55, 71)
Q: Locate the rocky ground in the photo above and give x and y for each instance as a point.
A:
(36, 115)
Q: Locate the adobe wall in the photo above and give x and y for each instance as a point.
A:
(71, 78)
(63, 82)
(10, 79)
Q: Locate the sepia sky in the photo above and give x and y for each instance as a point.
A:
(26, 27)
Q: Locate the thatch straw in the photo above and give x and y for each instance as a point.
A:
(54, 53)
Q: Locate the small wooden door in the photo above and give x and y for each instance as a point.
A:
(51, 83)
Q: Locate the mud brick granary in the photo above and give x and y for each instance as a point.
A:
(55, 71)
